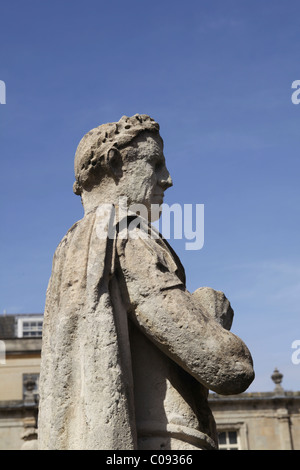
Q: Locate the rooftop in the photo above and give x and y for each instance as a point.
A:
(9, 323)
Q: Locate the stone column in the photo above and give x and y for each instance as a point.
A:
(284, 429)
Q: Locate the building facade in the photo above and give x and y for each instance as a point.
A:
(258, 421)
(20, 345)
(249, 421)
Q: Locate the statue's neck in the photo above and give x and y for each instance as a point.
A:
(106, 193)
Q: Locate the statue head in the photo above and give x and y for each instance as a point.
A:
(124, 158)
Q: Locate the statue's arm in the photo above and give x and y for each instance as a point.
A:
(174, 320)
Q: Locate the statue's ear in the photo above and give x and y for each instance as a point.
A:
(114, 162)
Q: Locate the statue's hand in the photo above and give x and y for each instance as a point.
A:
(216, 304)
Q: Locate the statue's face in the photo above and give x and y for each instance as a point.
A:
(146, 176)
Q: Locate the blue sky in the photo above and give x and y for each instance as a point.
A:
(217, 76)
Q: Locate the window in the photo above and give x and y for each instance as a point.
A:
(30, 387)
(30, 327)
(228, 440)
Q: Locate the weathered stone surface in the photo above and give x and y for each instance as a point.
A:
(215, 304)
(128, 353)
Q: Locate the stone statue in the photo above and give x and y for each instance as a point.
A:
(128, 353)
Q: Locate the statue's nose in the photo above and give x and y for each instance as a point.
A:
(166, 180)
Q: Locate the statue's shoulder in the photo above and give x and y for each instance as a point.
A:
(78, 229)
(148, 245)
(68, 235)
